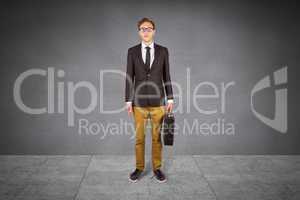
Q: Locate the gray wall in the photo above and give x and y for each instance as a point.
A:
(217, 41)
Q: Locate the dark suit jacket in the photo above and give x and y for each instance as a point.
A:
(144, 86)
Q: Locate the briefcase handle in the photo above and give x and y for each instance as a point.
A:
(169, 114)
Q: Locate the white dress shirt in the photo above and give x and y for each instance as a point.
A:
(144, 51)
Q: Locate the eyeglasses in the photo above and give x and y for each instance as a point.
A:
(146, 29)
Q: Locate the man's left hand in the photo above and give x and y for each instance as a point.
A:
(169, 107)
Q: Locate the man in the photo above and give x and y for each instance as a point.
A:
(147, 81)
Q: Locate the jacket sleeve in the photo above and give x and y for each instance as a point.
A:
(166, 76)
(129, 78)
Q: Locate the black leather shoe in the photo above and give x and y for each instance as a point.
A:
(134, 176)
(159, 175)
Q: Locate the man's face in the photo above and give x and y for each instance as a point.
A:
(146, 32)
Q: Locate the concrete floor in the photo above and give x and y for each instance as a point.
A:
(189, 177)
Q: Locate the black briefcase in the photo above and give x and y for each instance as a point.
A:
(168, 128)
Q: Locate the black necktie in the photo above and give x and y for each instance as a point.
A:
(148, 57)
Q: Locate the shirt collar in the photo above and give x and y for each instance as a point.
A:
(151, 45)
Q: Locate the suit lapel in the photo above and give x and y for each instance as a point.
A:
(139, 53)
(156, 55)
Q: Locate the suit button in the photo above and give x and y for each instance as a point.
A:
(148, 74)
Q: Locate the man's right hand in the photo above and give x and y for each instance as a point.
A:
(129, 108)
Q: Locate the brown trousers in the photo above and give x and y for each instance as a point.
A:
(141, 115)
